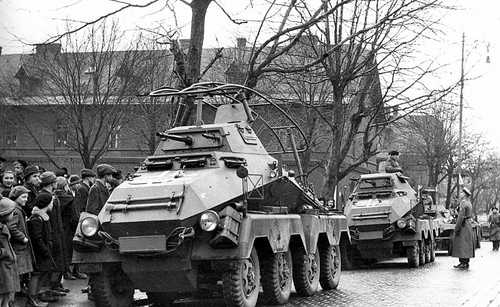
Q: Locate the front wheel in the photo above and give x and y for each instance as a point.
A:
(112, 288)
(241, 282)
(330, 267)
(432, 248)
(306, 268)
(427, 251)
(421, 253)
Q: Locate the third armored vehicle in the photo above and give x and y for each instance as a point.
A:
(212, 214)
(385, 220)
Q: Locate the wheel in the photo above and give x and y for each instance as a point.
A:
(349, 262)
(277, 277)
(306, 269)
(330, 267)
(112, 288)
(432, 248)
(412, 254)
(427, 251)
(241, 282)
(161, 299)
(421, 253)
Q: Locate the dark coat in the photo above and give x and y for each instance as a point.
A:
(81, 197)
(40, 232)
(68, 218)
(33, 193)
(494, 221)
(9, 277)
(463, 240)
(58, 250)
(19, 231)
(98, 195)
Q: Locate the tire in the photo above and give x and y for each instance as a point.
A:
(112, 288)
(432, 248)
(277, 275)
(450, 247)
(306, 271)
(161, 299)
(412, 254)
(427, 251)
(330, 267)
(421, 253)
(241, 282)
(347, 256)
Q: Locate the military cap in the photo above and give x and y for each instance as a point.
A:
(47, 178)
(74, 179)
(466, 191)
(85, 172)
(393, 153)
(6, 206)
(30, 170)
(43, 200)
(105, 169)
(18, 191)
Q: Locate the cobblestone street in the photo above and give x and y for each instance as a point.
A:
(391, 283)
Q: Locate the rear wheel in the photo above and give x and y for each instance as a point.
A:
(112, 288)
(161, 299)
(432, 248)
(306, 268)
(427, 251)
(277, 277)
(330, 267)
(421, 253)
(412, 255)
(241, 282)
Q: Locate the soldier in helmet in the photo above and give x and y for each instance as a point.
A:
(463, 240)
(391, 164)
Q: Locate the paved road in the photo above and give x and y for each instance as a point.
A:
(391, 283)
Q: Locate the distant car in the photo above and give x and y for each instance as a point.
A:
(484, 225)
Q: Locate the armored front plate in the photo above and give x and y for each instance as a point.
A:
(143, 244)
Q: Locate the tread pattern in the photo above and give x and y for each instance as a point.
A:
(412, 255)
(301, 264)
(232, 287)
(103, 292)
(326, 279)
(273, 294)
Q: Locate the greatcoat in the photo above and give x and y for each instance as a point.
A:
(19, 231)
(494, 221)
(40, 231)
(98, 195)
(463, 240)
(9, 277)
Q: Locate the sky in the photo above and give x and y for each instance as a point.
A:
(33, 21)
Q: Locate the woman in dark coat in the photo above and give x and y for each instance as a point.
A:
(19, 231)
(494, 221)
(463, 241)
(9, 279)
(40, 231)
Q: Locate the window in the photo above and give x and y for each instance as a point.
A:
(10, 139)
(114, 138)
(61, 135)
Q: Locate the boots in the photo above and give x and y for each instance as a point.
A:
(33, 301)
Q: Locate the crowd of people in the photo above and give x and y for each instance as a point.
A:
(39, 213)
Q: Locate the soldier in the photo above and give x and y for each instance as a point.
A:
(99, 193)
(391, 164)
(463, 240)
(494, 221)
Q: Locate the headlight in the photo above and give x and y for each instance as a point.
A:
(89, 226)
(401, 224)
(209, 220)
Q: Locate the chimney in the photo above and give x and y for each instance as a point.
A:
(184, 43)
(241, 42)
(52, 49)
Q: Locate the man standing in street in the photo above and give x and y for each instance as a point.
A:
(32, 183)
(463, 240)
(99, 192)
(391, 164)
(494, 221)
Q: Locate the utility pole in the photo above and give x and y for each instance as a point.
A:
(460, 118)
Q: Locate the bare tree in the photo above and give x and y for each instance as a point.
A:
(86, 91)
